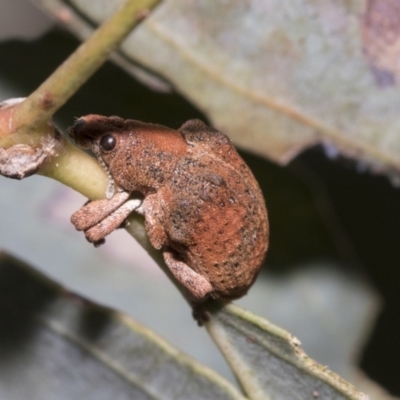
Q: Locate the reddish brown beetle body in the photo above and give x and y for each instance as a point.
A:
(202, 205)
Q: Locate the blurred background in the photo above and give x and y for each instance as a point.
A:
(331, 277)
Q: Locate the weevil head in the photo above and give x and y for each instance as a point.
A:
(137, 155)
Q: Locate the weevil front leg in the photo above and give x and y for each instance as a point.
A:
(95, 234)
(95, 211)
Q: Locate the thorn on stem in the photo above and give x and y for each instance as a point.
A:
(47, 101)
(143, 14)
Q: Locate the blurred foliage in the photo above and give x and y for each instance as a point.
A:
(276, 78)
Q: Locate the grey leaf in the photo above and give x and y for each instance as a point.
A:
(55, 344)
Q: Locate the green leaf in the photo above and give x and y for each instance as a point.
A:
(276, 77)
(54, 341)
(268, 361)
(55, 344)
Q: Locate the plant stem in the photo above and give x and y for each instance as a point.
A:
(72, 166)
(84, 62)
(76, 169)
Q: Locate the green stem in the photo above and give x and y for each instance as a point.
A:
(75, 71)
(72, 166)
(76, 169)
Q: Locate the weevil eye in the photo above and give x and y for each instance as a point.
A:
(107, 142)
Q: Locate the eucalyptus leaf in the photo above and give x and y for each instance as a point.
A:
(276, 76)
(53, 341)
(269, 362)
(56, 344)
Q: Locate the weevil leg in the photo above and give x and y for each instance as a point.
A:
(96, 233)
(198, 286)
(95, 211)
